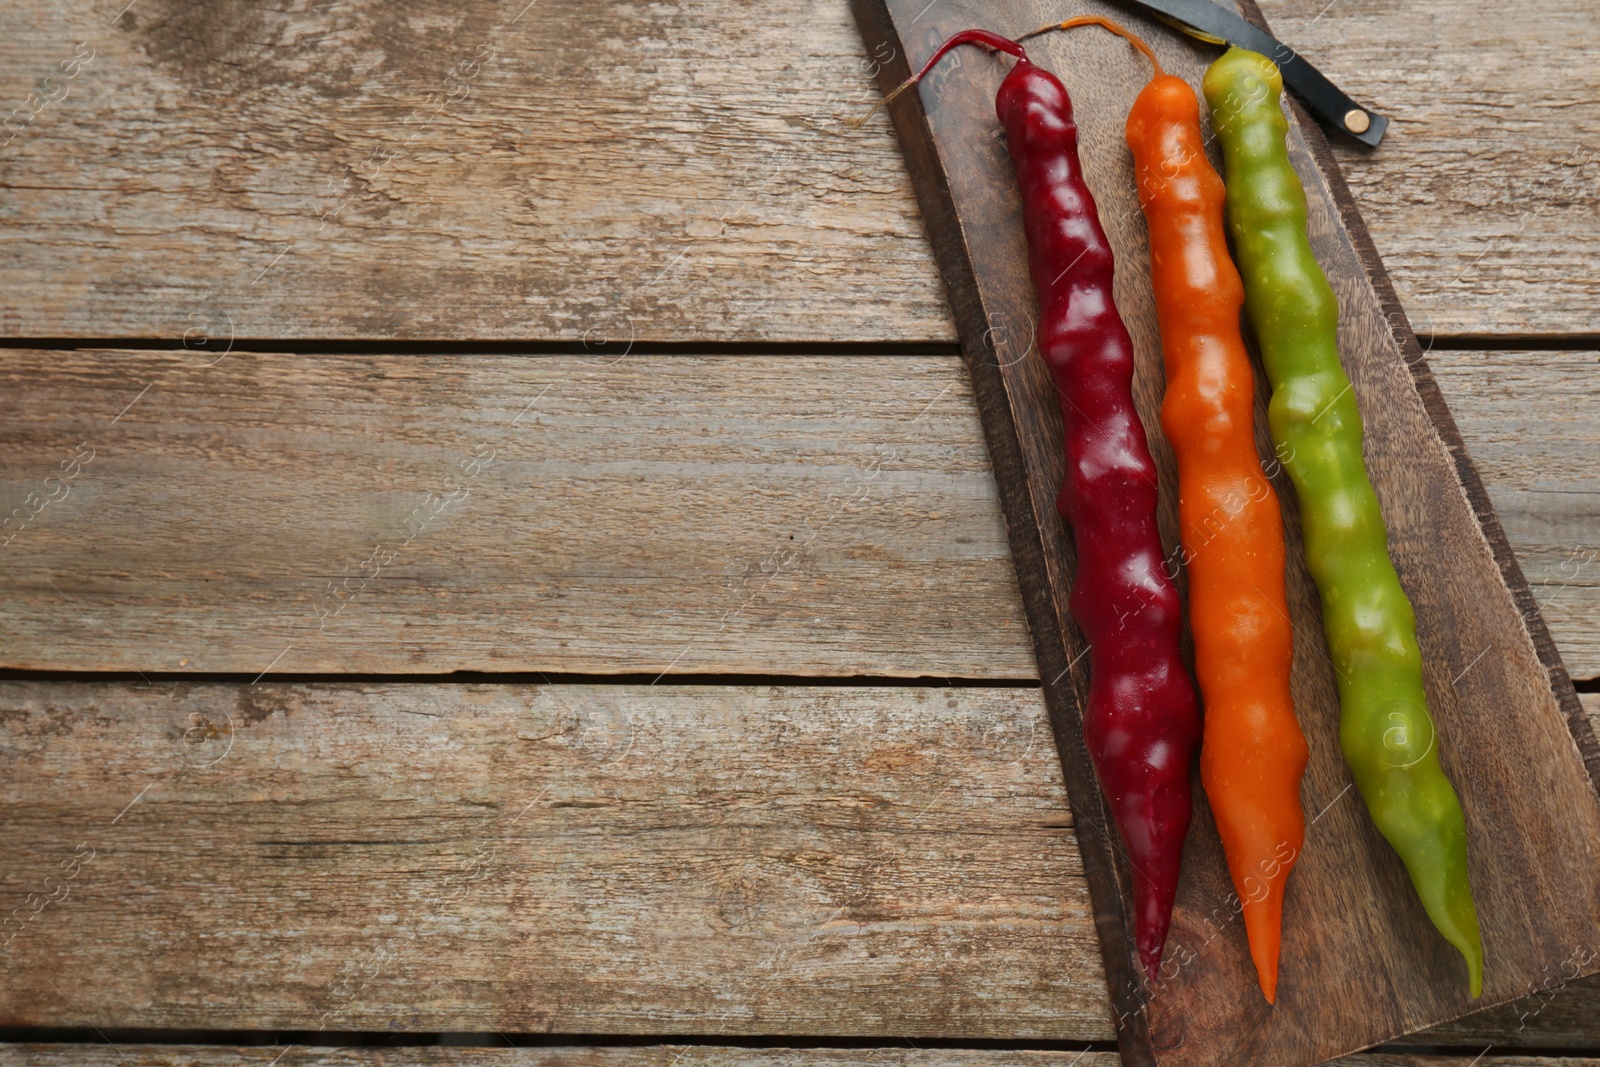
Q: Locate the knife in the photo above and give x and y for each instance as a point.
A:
(1221, 26)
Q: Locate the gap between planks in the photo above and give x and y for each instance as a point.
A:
(443, 346)
(664, 1055)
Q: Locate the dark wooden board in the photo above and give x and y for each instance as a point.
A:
(1361, 964)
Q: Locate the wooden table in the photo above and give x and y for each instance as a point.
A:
(513, 559)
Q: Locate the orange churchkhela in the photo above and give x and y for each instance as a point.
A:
(1252, 754)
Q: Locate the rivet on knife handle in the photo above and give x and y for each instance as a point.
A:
(1324, 98)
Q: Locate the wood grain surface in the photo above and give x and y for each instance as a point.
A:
(638, 171)
(1483, 195)
(455, 170)
(1531, 421)
(1354, 909)
(758, 515)
(578, 859)
(664, 1055)
(575, 859)
(329, 454)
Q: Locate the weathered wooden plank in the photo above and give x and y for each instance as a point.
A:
(664, 1055)
(1532, 423)
(1483, 196)
(635, 171)
(580, 859)
(793, 515)
(623, 859)
(302, 170)
(560, 559)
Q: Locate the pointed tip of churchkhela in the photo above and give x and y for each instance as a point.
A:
(1267, 978)
(1474, 968)
(1267, 972)
(1151, 949)
(1263, 917)
(1154, 919)
(1459, 925)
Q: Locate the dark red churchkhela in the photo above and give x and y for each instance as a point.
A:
(1142, 725)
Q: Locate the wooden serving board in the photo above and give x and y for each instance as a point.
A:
(1360, 964)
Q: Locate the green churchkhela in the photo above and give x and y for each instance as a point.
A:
(1385, 730)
